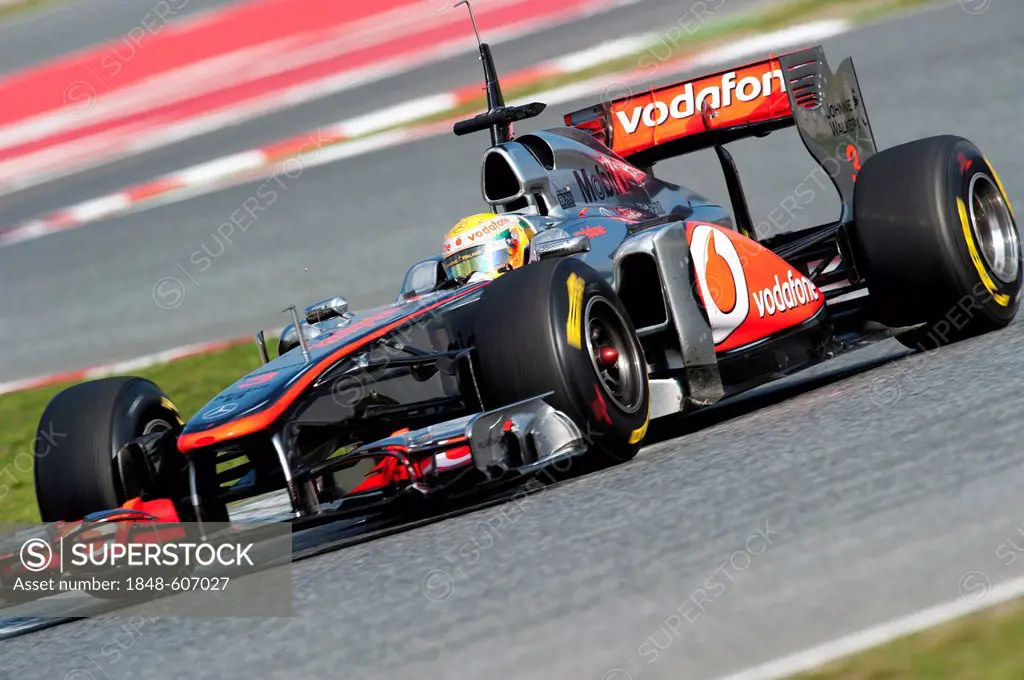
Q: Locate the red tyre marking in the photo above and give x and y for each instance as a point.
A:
(600, 407)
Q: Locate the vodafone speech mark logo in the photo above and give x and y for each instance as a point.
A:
(795, 291)
(718, 96)
(750, 297)
(723, 285)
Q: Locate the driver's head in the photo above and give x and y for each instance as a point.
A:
(486, 246)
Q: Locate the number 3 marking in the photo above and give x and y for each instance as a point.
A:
(853, 156)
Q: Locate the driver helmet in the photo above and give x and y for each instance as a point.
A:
(485, 246)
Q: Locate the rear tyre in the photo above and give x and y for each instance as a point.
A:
(549, 327)
(77, 467)
(937, 241)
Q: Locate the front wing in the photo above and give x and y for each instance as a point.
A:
(515, 440)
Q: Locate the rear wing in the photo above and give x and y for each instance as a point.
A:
(751, 101)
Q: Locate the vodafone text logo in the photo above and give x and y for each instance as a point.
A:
(718, 95)
(723, 285)
(795, 291)
(470, 236)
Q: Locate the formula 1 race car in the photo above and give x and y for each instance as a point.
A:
(642, 300)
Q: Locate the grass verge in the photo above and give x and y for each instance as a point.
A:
(988, 645)
(9, 10)
(190, 383)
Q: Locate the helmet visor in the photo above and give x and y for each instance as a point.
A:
(485, 259)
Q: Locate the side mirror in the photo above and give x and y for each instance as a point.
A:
(422, 277)
(327, 309)
(558, 243)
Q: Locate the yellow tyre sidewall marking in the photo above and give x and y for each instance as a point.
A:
(574, 324)
(169, 405)
(639, 433)
(999, 183)
(1001, 299)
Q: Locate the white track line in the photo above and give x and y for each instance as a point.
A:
(399, 114)
(863, 640)
(605, 52)
(785, 37)
(212, 171)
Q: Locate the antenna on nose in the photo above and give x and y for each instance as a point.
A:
(499, 118)
(472, 18)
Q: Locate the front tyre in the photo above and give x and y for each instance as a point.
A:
(557, 326)
(77, 467)
(937, 240)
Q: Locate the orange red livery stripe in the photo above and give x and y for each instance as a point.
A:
(263, 419)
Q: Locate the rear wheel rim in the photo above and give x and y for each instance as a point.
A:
(622, 381)
(994, 229)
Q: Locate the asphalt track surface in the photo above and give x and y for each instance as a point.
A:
(635, 16)
(871, 487)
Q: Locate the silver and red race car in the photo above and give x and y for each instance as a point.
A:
(642, 301)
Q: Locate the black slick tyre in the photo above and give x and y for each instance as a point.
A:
(77, 467)
(557, 326)
(936, 238)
